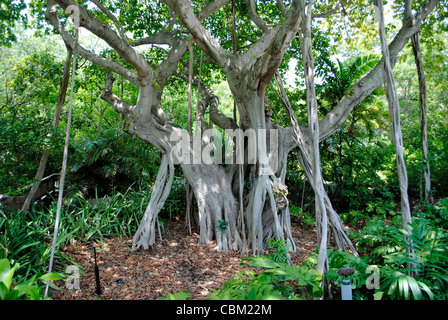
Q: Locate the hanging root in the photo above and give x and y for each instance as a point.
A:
(341, 239)
(265, 219)
(146, 233)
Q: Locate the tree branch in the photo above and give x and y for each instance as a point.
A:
(253, 15)
(119, 105)
(212, 101)
(271, 60)
(112, 17)
(170, 38)
(375, 78)
(87, 54)
(162, 37)
(88, 21)
(326, 14)
(407, 9)
(203, 38)
(168, 66)
(281, 7)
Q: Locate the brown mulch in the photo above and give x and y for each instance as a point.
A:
(177, 263)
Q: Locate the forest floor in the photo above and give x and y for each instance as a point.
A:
(177, 263)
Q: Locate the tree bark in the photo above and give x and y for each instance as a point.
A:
(394, 112)
(189, 192)
(339, 232)
(313, 124)
(426, 172)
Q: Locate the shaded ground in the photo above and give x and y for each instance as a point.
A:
(175, 264)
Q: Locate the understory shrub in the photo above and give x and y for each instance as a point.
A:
(270, 280)
(436, 213)
(305, 218)
(411, 263)
(25, 239)
(30, 289)
(98, 218)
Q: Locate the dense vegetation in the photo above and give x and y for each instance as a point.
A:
(106, 164)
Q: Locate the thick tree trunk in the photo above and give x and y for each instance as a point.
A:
(426, 174)
(266, 212)
(219, 219)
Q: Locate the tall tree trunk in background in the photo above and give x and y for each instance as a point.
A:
(394, 111)
(426, 174)
(54, 124)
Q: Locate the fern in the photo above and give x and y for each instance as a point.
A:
(399, 285)
(113, 155)
(413, 263)
(276, 281)
(426, 258)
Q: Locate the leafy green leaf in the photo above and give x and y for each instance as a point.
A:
(51, 276)
(6, 273)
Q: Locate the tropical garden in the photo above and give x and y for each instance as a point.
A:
(122, 103)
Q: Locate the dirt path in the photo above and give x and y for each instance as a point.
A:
(177, 263)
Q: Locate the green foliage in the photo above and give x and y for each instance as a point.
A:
(412, 263)
(355, 217)
(400, 285)
(183, 295)
(342, 75)
(97, 218)
(277, 281)
(26, 290)
(280, 252)
(342, 259)
(442, 209)
(23, 240)
(437, 213)
(10, 14)
(22, 141)
(305, 218)
(426, 259)
(108, 158)
(27, 105)
(374, 240)
(355, 168)
(222, 225)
